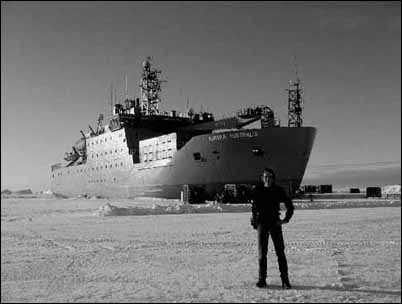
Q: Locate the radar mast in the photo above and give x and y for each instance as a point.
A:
(150, 86)
(295, 102)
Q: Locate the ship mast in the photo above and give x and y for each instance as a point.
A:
(111, 98)
(150, 86)
(295, 103)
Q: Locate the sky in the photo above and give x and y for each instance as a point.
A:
(58, 60)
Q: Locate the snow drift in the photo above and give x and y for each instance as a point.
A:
(111, 210)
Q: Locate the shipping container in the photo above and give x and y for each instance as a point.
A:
(310, 189)
(373, 192)
(325, 188)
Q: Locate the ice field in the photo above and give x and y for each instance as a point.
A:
(93, 250)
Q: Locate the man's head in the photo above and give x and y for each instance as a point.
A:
(268, 177)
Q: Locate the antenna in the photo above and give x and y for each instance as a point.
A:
(296, 69)
(111, 98)
(126, 89)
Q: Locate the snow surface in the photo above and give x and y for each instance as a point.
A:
(81, 250)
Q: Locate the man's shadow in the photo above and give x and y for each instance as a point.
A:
(336, 288)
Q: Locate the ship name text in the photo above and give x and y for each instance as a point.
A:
(223, 136)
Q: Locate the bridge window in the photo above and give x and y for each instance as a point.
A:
(257, 152)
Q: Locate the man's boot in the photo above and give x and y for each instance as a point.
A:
(261, 283)
(285, 282)
(262, 273)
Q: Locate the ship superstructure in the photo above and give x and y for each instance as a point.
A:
(140, 151)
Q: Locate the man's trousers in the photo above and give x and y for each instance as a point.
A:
(277, 237)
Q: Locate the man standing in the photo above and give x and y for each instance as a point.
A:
(265, 219)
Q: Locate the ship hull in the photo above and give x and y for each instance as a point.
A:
(209, 161)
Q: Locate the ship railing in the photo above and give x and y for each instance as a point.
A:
(55, 166)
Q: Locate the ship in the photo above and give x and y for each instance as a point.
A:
(140, 151)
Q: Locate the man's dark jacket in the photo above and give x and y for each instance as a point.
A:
(266, 205)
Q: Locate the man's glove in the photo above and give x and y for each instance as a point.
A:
(281, 222)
